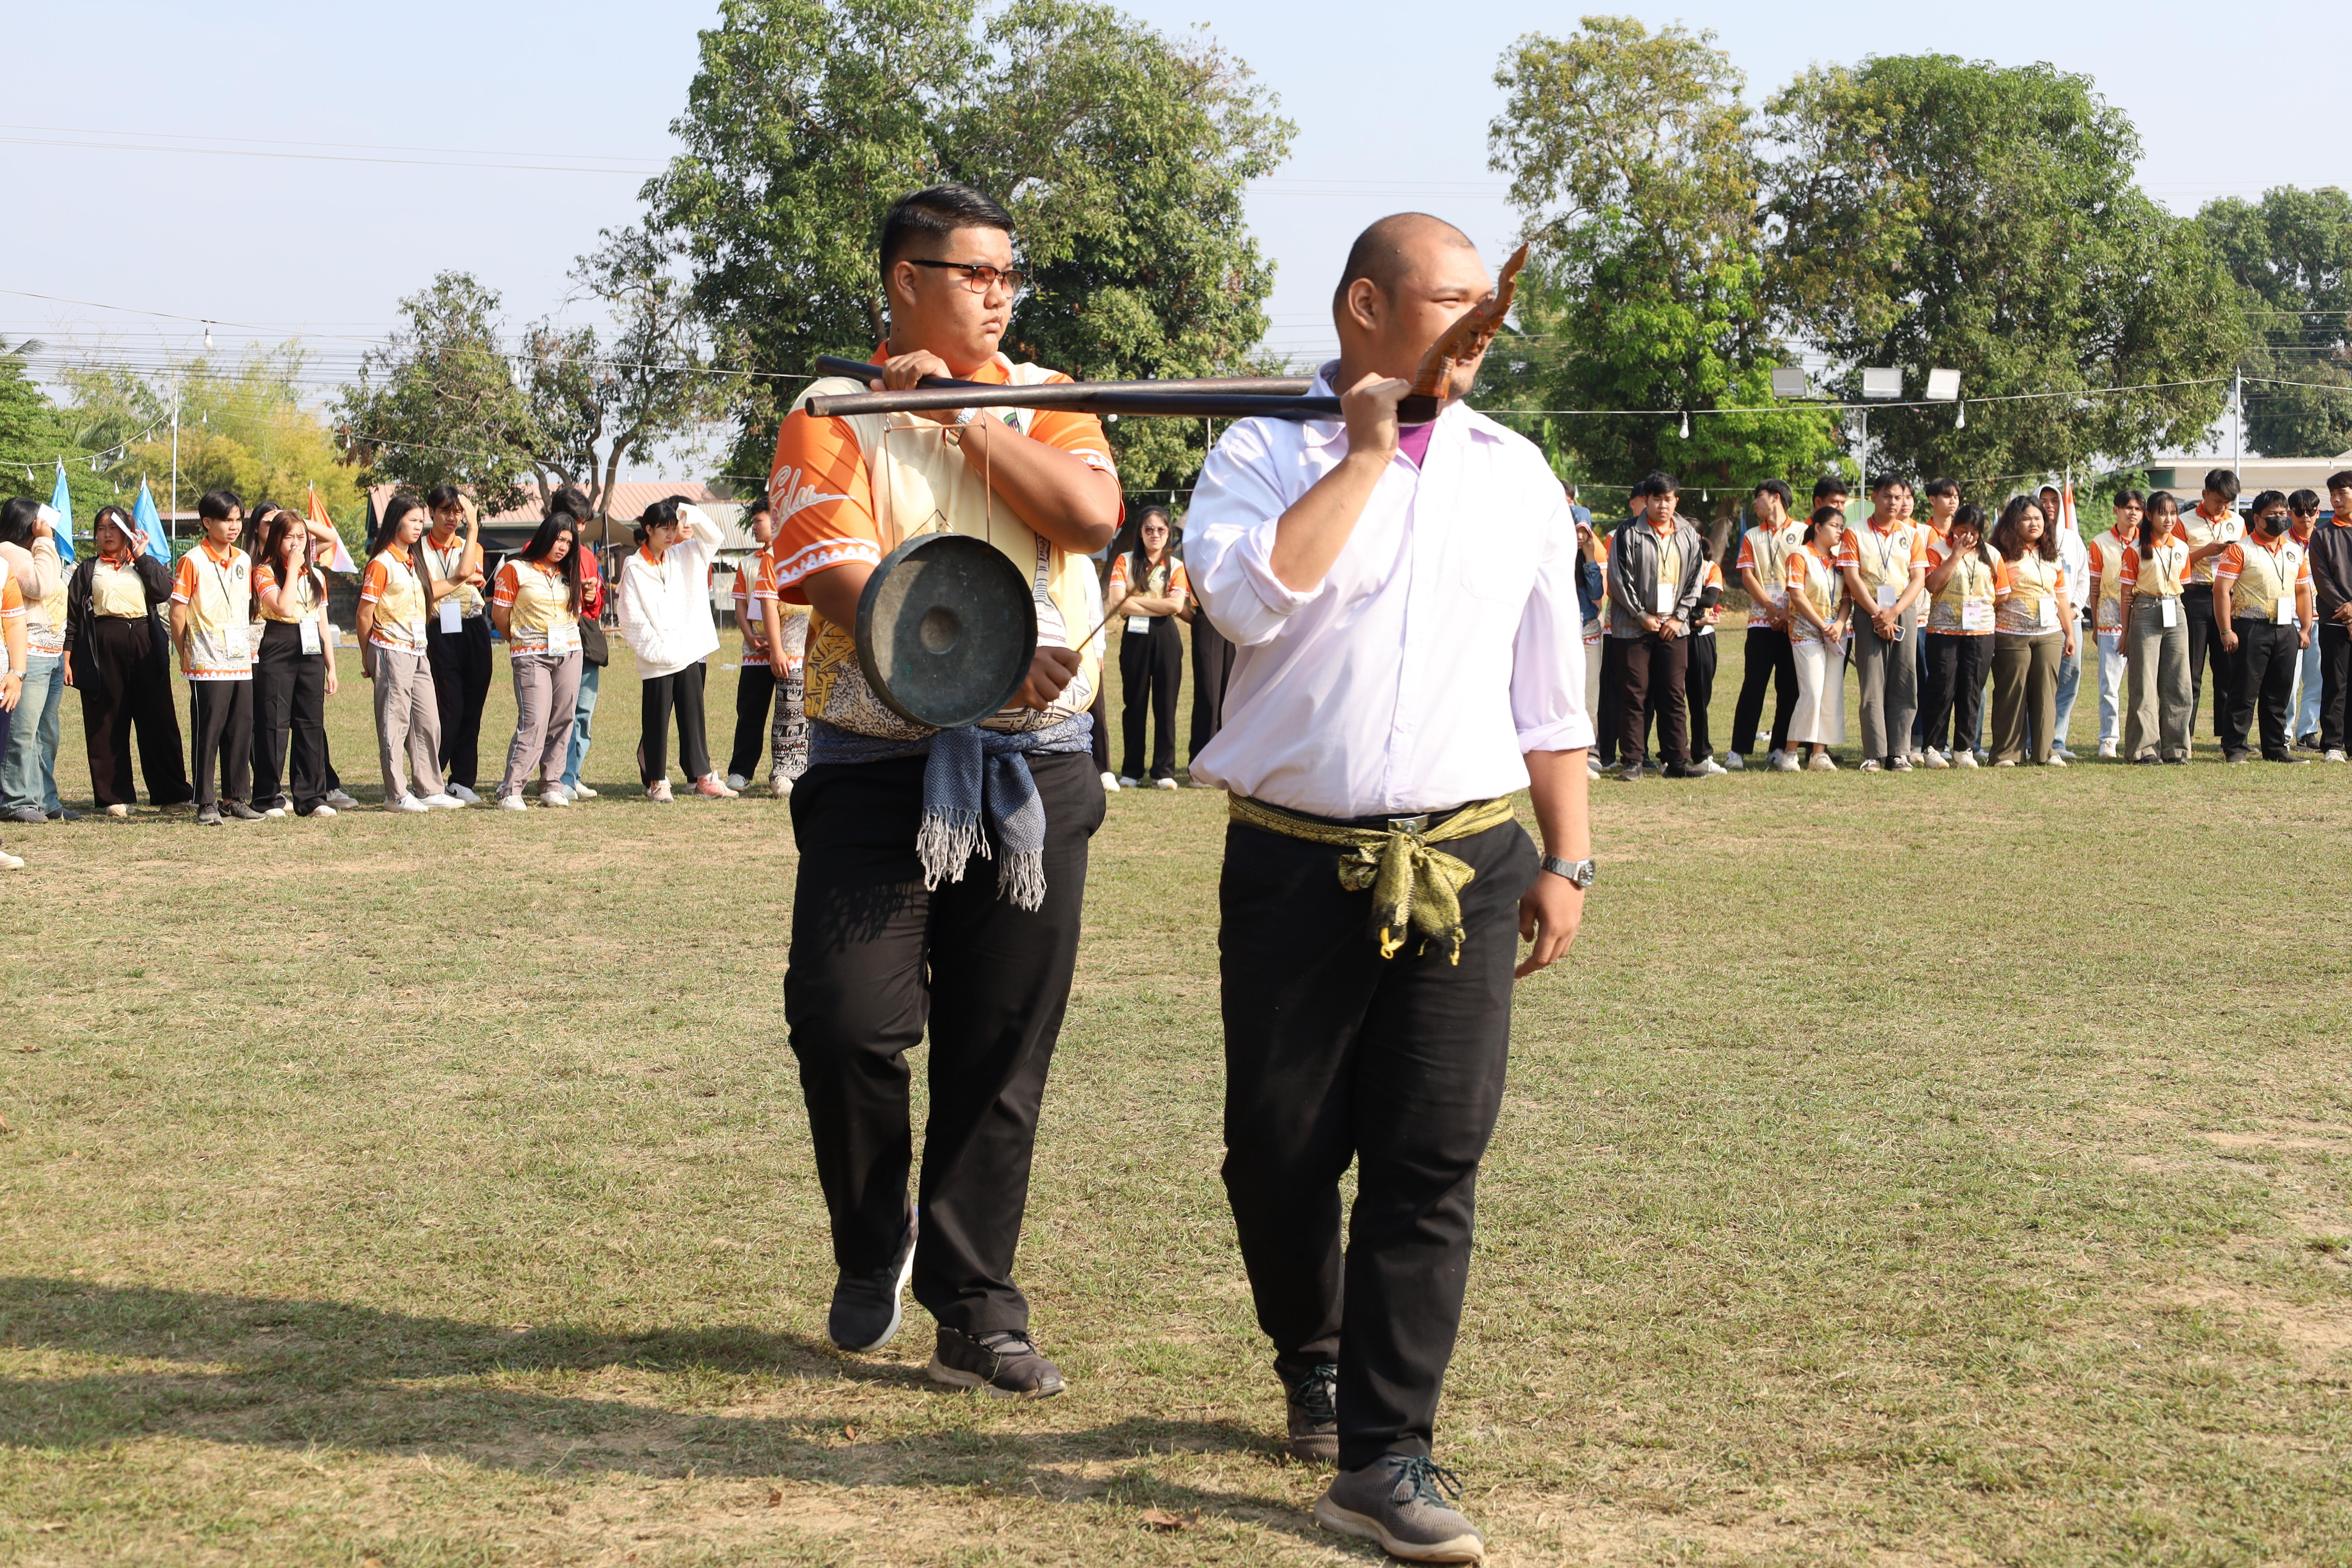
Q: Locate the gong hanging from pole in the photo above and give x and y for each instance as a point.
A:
(945, 630)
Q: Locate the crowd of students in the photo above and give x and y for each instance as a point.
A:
(244, 614)
(1926, 610)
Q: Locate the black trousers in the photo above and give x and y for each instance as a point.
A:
(1768, 658)
(126, 684)
(220, 716)
(289, 712)
(1605, 724)
(1699, 690)
(755, 698)
(1652, 675)
(2261, 681)
(1151, 668)
(1333, 1054)
(1953, 698)
(1098, 742)
(461, 684)
(2335, 668)
(2204, 639)
(1212, 666)
(680, 692)
(875, 959)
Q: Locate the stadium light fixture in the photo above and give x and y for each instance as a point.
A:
(1790, 380)
(1881, 384)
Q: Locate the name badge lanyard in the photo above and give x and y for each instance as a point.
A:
(449, 612)
(1884, 555)
(235, 634)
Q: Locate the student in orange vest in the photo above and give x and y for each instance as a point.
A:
(760, 670)
(2210, 527)
(2161, 702)
(211, 619)
(535, 605)
(2106, 556)
(1885, 564)
(1820, 616)
(11, 674)
(456, 636)
(2034, 630)
(2262, 595)
(294, 671)
(1763, 567)
(395, 600)
(1958, 639)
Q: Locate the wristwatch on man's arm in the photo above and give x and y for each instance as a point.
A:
(1579, 872)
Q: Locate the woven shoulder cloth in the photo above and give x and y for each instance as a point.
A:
(1415, 888)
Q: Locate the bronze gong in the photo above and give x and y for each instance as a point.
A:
(945, 630)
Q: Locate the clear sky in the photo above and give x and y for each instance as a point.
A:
(1391, 102)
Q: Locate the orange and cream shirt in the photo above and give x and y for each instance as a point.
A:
(215, 582)
(2107, 553)
(1963, 606)
(2025, 595)
(2201, 531)
(755, 587)
(1713, 578)
(116, 592)
(853, 488)
(12, 621)
(1816, 576)
(538, 603)
(306, 596)
(1166, 580)
(455, 559)
(2264, 576)
(1886, 557)
(393, 586)
(1765, 551)
(45, 619)
(2160, 575)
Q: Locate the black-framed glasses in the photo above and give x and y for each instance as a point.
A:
(980, 278)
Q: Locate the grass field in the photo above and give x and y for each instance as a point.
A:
(1954, 1168)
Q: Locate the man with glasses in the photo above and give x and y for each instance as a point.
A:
(889, 933)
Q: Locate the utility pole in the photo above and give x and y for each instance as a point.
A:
(171, 524)
(2237, 421)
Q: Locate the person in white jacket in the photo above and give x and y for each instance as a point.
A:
(665, 602)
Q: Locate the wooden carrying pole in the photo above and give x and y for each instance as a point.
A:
(1222, 397)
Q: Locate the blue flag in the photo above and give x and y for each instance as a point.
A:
(61, 502)
(145, 517)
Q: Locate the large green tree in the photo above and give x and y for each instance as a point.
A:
(1929, 211)
(1122, 152)
(2292, 253)
(35, 432)
(1634, 170)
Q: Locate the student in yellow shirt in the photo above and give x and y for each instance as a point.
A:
(122, 667)
(1817, 628)
(2262, 602)
(211, 619)
(394, 601)
(11, 674)
(28, 765)
(1959, 638)
(2160, 702)
(457, 635)
(2105, 590)
(536, 608)
(2033, 629)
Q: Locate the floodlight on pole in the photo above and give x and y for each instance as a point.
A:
(1943, 386)
(1880, 384)
(1790, 380)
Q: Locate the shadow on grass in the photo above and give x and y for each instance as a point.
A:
(298, 1375)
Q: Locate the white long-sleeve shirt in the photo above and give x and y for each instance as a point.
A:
(664, 604)
(1444, 644)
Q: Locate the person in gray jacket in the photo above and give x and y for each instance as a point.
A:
(1656, 567)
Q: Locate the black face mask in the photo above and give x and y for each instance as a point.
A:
(2275, 525)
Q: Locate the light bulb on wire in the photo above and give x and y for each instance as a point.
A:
(1962, 422)
(208, 337)
(1685, 424)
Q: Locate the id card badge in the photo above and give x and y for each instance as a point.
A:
(448, 617)
(1138, 625)
(2282, 613)
(2047, 611)
(563, 639)
(1887, 594)
(1976, 615)
(2171, 613)
(1664, 594)
(311, 644)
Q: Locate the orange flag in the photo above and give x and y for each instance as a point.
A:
(343, 560)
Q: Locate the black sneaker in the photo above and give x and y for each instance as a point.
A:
(1396, 1500)
(208, 816)
(242, 812)
(1004, 1363)
(65, 814)
(1314, 1400)
(867, 1307)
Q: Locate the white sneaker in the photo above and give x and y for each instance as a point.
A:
(1734, 763)
(1936, 761)
(1870, 765)
(1964, 759)
(1786, 763)
(1163, 783)
(513, 803)
(1823, 762)
(444, 801)
(2056, 761)
(659, 791)
(322, 810)
(118, 812)
(275, 811)
(1126, 783)
(580, 792)
(1713, 769)
(11, 862)
(737, 781)
(341, 800)
(552, 796)
(406, 803)
(1900, 764)
(1110, 784)
(462, 795)
(2333, 756)
(781, 788)
(2107, 749)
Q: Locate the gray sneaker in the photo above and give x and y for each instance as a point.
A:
(1314, 1400)
(1005, 1364)
(867, 1307)
(1396, 1500)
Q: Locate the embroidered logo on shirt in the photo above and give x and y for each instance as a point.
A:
(790, 495)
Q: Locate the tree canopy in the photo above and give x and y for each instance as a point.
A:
(34, 433)
(1122, 154)
(2291, 252)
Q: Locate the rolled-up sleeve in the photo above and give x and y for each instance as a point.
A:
(1548, 656)
(1241, 495)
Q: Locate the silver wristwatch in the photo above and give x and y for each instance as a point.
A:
(1580, 872)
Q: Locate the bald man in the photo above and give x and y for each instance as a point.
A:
(1407, 660)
